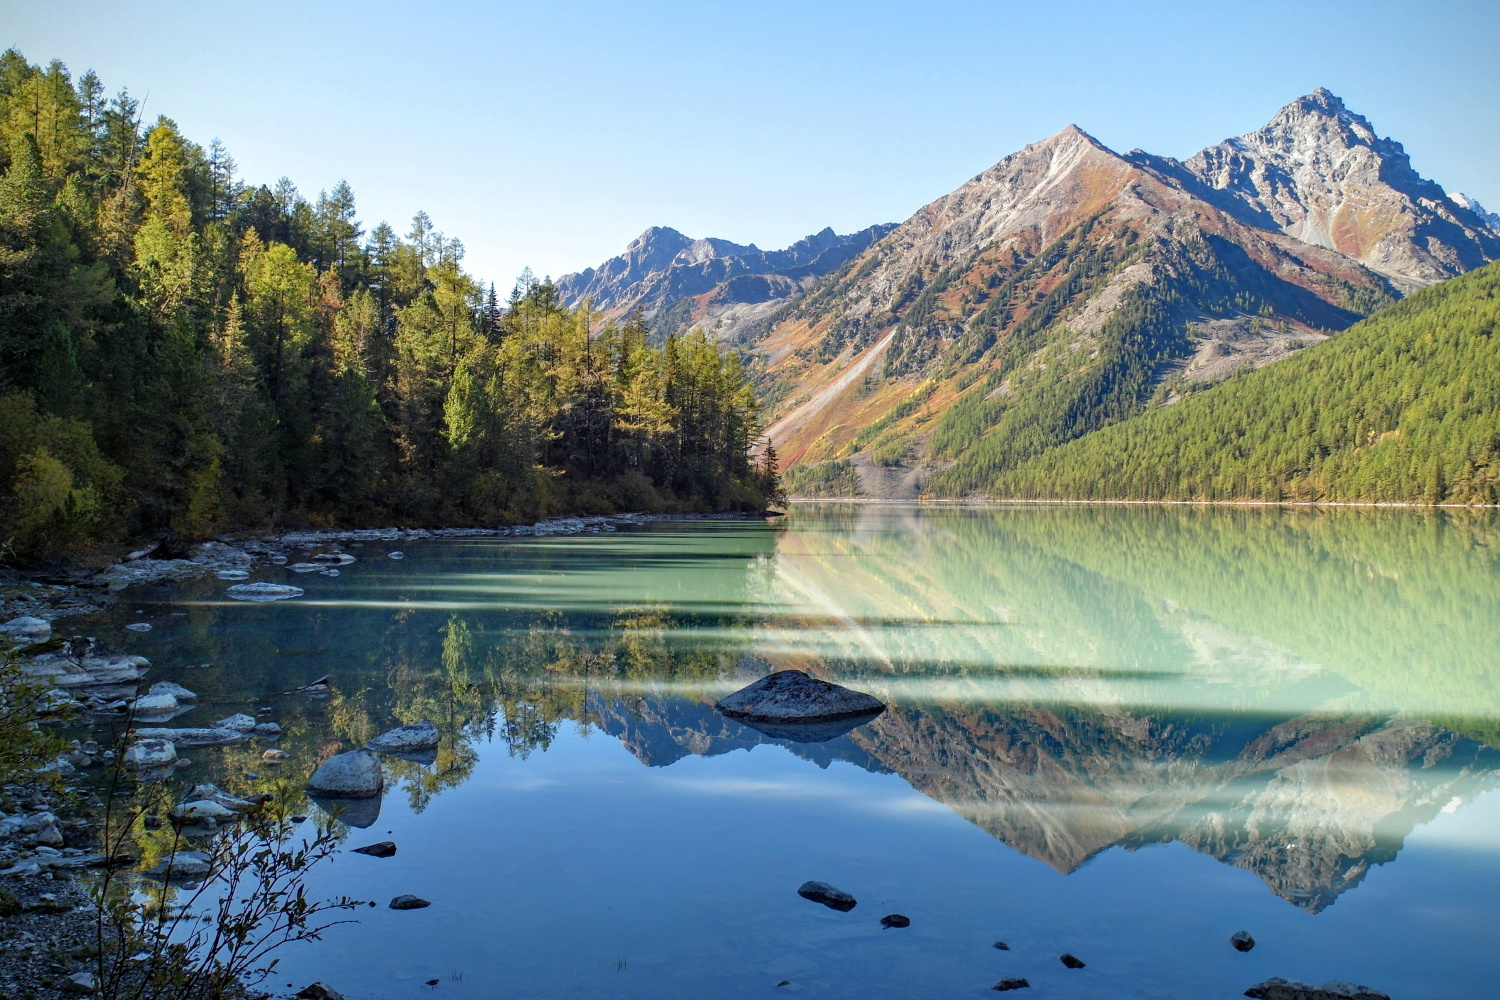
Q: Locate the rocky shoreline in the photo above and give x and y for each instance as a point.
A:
(48, 827)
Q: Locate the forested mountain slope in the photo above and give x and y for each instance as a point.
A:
(1403, 407)
(1069, 287)
(181, 350)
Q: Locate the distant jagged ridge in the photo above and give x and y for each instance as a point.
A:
(662, 267)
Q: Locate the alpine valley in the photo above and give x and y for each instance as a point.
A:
(1069, 288)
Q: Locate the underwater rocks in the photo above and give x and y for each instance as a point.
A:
(352, 775)
(263, 592)
(895, 920)
(791, 705)
(1336, 989)
(822, 892)
(410, 739)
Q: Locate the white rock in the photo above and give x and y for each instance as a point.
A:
(240, 723)
(198, 812)
(149, 753)
(305, 567)
(233, 574)
(275, 756)
(263, 592)
(177, 691)
(396, 555)
(353, 775)
(411, 738)
(267, 729)
(27, 628)
(139, 627)
(154, 704)
(183, 865)
(215, 794)
(78, 982)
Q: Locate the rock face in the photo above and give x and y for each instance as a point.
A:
(1337, 989)
(679, 281)
(353, 775)
(413, 738)
(822, 892)
(1320, 173)
(791, 696)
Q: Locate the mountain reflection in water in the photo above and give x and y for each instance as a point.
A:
(1289, 692)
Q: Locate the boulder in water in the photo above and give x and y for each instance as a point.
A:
(384, 849)
(263, 591)
(829, 896)
(407, 901)
(353, 775)
(791, 696)
(241, 723)
(145, 754)
(319, 991)
(1277, 988)
(413, 738)
(1070, 960)
(1242, 940)
(1013, 983)
(895, 920)
(182, 694)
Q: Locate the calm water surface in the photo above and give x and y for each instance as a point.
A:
(1123, 733)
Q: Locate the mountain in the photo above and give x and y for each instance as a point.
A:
(680, 282)
(1069, 287)
(1488, 218)
(1404, 407)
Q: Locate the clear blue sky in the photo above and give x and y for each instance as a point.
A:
(550, 134)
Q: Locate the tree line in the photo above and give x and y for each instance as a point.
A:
(181, 349)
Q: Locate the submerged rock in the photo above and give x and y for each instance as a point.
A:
(791, 696)
(895, 920)
(1011, 984)
(384, 849)
(822, 892)
(1242, 940)
(1277, 988)
(353, 775)
(413, 738)
(194, 737)
(408, 902)
(1070, 960)
(1001, 945)
(263, 591)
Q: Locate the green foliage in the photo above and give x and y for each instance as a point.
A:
(1404, 407)
(178, 349)
(833, 479)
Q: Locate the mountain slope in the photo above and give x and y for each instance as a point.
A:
(1068, 287)
(1404, 407)
(679, 282)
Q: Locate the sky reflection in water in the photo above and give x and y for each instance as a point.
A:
(1120, 732)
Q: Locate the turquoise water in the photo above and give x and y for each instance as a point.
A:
(1120, 732)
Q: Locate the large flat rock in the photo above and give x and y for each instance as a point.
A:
(353, 775)
(790, 696)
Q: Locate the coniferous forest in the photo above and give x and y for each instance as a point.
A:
(181, 349)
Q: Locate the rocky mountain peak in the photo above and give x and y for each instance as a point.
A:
(1322, 174)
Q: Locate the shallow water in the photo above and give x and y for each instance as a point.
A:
(1123, 733)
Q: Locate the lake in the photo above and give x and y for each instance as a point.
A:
(1119, 732)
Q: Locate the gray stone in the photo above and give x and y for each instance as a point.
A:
(1242, 940)
(1013, 983)
(215, 794)
(353, 775)
(78, 982)
(27, 629)
(139, 626)
(154, 704)
(275, 756)
(895, 920)
(201, 813)
(195, 737)
(185, 865)
(240, 723)
(1070, 960)
(177, 691)
(409, 902)
(822, 892)
(150, 752)
(413, 738)
(319, 991)
(1277, 988)
(263, 592)
(793, 696)
(268, 730)
(384, 849)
